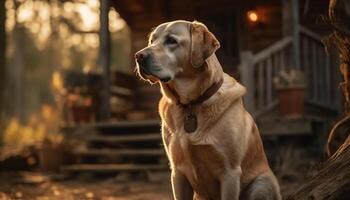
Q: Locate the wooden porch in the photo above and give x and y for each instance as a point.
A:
(136, 145)
(299, 49)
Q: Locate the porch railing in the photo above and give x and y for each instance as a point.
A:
(257, 71)
(319, 68)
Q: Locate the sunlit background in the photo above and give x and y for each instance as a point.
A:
(58, 36)
(71, 103)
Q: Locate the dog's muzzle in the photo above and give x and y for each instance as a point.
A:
(143, 59)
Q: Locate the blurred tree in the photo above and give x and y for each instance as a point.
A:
(18, 73)
(332, 180)
(104, 61)
(2, 64)
(45, 37)
(48, 36)
(2, 59)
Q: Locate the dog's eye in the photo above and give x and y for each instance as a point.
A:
(170, 41)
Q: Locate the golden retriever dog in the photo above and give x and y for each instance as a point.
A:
(212, 142)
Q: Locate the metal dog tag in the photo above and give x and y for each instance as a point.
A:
(190, 123)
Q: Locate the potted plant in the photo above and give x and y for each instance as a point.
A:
(51, 153)
(81, 107)
(290, 86)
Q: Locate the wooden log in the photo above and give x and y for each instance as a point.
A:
(339, 16)
(333, 180)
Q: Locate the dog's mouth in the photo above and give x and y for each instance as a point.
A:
(146, 75)
(144, 72)
(166, 79)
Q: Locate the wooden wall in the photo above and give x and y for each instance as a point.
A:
(227, 19)
(313, 14)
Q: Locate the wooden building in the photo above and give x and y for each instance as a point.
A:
(229, 21)
(282, 34)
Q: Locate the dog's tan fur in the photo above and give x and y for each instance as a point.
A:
(224, 158)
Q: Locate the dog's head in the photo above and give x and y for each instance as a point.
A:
(175, 49)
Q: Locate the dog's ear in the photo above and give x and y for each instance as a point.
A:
(203, 44)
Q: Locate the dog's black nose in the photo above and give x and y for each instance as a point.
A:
(141, 56)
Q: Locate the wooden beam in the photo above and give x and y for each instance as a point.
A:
(104, 62)
(247, 79)
(276, 47)
(290, 17)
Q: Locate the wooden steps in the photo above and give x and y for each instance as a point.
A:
(121, 152)
(121, 146)
(272, 123)
(125, 138)
(128, 124)
(285, 127)
(112, 167)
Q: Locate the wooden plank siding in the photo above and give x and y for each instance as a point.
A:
(228, 20)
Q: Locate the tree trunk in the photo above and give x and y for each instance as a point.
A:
(16, 72)
(333, 180)
(2, 54)
(2, 64)
(104, 62)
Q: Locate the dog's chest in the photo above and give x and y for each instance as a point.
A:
(202, 164)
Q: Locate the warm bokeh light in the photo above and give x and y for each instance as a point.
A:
(39, 17)
(59, 36)
(57, 81)
(115, 22)
(253, 16)
(89, 16)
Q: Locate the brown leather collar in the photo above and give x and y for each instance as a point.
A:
(205, 96)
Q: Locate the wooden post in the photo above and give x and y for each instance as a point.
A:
(2, 61)
(104, 62)
(247, 79)
(2, 52)
(290, 12)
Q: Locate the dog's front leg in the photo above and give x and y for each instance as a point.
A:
(230, 184)
(182, 190)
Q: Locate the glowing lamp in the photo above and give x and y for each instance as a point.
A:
(253, 16)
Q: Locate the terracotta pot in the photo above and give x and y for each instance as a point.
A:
(291, 101)
(82, 114)
(50, 156)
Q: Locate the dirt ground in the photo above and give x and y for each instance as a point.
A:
(35, 186)
(292, 166)
(38, 186)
